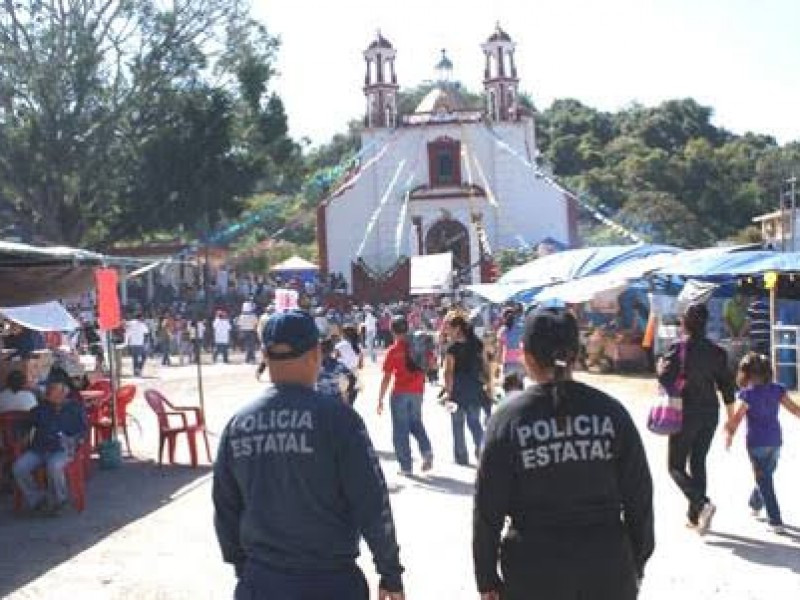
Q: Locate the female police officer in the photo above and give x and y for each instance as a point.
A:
(564, 461)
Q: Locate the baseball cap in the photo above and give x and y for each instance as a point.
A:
(290, 334)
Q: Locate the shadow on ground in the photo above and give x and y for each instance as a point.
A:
(34, 545)
(442, 484)
(772, 554)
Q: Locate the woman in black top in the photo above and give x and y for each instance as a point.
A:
(705, 370)
(463, 381)
(565, 462)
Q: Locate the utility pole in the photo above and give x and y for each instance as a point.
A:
(792, 181)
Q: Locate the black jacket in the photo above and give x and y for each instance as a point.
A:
(296, 481)
(575, 475)
(705, 370)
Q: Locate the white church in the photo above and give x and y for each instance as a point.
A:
(446, 178)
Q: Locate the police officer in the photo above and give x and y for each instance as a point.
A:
(565, 462)
(297, 481)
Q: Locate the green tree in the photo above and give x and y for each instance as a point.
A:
(95, 94)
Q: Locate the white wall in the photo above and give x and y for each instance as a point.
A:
(527, 207)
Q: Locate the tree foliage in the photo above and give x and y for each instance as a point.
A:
(667, 171)
(123, 116)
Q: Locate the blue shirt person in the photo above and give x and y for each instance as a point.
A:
(297, 483)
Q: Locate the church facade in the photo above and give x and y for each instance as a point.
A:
(446, 178)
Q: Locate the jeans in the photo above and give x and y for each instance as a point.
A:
(472, 415)
(765, 461)
(692, 444)
(165, 358)
(55, 463)
(369, 344)
(407, 420)
(139, 356)
(259, 582)
(220, 349)
(249, 341)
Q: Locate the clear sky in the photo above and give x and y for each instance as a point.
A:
(741, 57)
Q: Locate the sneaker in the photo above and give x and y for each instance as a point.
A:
(427, 463)
(405, 472)
(777, 528)
(755, 512)
(705, 517)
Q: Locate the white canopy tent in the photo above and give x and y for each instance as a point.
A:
(50, 316)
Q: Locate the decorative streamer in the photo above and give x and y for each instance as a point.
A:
(585, 204)
(374, 217)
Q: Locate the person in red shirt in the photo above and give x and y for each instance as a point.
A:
(405, 399)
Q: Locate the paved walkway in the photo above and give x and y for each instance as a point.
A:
(147, 532)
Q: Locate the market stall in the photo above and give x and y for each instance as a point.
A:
(296, 268)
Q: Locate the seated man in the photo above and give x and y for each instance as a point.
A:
(59, 424)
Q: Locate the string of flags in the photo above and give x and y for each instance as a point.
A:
(583, 199)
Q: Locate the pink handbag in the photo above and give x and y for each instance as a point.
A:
(666, 415)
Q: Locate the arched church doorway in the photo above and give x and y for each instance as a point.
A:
(449, 235)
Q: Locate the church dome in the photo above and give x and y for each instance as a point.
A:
(499, 35)
(441, 99)
(380, 42)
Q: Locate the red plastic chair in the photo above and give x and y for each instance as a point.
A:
(101, 423)
(11, 439)
(98, 409)
(168, 433)
(76, 479)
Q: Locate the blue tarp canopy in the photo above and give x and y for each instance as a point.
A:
(571, 264)
(734, 264)
(524, 282)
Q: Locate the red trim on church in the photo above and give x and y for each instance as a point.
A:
(572, 222)
(440, 146)
(373, 288)
(322, 238)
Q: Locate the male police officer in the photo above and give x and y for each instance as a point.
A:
(297, 480)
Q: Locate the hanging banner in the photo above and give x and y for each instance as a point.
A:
(432, 274)
(285, 300)
(108, 311)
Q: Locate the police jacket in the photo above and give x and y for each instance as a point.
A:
(296, 482)
(705, 370)
(554, 476)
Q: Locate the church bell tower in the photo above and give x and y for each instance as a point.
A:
(500, 81)
(380, 84)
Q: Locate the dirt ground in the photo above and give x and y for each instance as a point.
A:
(147, 531)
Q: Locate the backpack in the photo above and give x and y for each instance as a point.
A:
(514, 337)
(420, 344)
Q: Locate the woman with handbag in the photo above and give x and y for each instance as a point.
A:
(699, 368)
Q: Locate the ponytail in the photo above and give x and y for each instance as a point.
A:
(552, 338)
(561, 363)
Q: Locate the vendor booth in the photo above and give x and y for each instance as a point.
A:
(296, 268)
(768, 275)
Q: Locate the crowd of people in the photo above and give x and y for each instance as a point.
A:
(563, 482)
(562, 475)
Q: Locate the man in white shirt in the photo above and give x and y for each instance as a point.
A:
(15, 398)
(222, 336)
(135, 333)
(370, 332)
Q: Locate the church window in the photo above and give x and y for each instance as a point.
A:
(444, 163)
